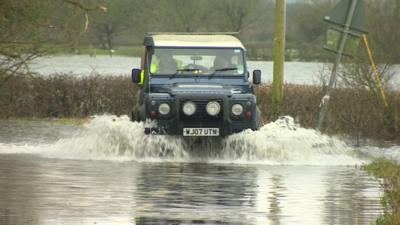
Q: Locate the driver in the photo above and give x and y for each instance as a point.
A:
(221, 62)
(166, 63)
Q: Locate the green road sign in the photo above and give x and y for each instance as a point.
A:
(339, 15)
(333, 36)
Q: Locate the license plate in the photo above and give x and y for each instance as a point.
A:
(201, 132)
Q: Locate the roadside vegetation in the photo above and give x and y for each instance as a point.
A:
(31, 29)
(388, 174)
(354, 111)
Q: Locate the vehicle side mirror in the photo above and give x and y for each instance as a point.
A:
(136, 76)
(257, 76)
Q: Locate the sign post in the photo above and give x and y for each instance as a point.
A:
(349, 26)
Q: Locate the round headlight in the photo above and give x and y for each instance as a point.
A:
(189, 108)
(164, 109)
(237, 109)
(213, 108)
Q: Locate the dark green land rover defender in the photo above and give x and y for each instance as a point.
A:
(195, 85)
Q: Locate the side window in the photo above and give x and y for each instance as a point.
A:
(154, 64)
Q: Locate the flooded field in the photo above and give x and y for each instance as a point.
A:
(295, 72)
(109, 172)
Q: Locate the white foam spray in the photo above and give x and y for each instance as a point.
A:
(117, 138)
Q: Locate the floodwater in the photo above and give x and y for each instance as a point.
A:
(108, 172)
(295, 72)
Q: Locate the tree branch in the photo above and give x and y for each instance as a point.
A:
(86, 8)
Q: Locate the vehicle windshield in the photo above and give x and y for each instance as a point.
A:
(197, 61)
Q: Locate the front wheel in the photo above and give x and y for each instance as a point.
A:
(135, 116)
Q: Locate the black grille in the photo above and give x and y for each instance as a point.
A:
(201, 114)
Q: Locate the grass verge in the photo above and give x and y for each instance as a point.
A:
(388, 173)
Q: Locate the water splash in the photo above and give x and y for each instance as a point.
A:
(117, 138)
(284, 141)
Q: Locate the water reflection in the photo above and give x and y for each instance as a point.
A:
(356, 202)
(274, 199)
(198, 192)
(34, 190)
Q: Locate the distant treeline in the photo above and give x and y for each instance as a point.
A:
(34, 26)
(355, 112)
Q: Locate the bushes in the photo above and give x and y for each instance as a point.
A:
(66, 96)
(356, 112)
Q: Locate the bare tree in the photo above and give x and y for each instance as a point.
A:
(359, 74)
(178, 15)
(31, 29)
(240, 14)
(384, 17)
(119, 20)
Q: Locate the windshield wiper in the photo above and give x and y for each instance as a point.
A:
(222, 70)
(181, 70)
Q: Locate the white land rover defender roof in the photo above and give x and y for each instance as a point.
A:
(193, 40)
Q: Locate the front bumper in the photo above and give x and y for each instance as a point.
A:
(176, 127)
(225, 121)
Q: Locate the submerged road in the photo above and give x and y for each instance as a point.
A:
(97, 174)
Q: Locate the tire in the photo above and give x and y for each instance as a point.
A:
(135, 114)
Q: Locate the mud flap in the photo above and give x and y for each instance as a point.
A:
(259, 119)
